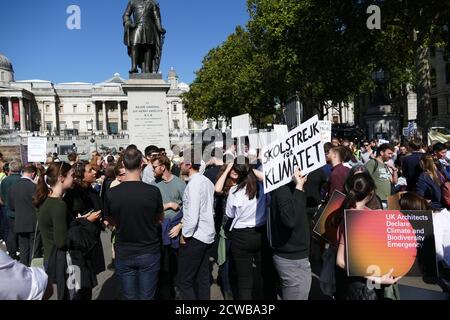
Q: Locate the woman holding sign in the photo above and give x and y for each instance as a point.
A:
(360, 196)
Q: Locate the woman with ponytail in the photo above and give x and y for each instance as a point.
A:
(53, 216)
(361, 196)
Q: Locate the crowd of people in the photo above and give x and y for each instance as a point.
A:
(172, 219)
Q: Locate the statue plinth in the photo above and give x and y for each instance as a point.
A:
(148, 119)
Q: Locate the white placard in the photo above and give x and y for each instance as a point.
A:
(280, 129)
(37, 149)
(325, 130)
(240, 126)
(301, 147)
(382, 141)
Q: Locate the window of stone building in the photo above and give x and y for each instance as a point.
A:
(61, 109)
(88, 108)
(434, 107)
(75, 108)
(433, 78)
(47, 108)
(125, 125)
(176, 124)
(76, 125)
(49, 126)
(100, 125)
(174, 107)
(62, 125)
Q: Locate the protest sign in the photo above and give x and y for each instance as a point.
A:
(325, 130)
(380, 240)
(280, 130)
(37, 149)
(300, 148)
(240, 126)
(382, 141)
(325, 227)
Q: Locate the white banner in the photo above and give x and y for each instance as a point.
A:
(382, 141)
(325, 130)
(301, 147)
(37, 149)
(240, 126)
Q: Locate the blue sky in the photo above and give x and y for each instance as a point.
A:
(35, 38)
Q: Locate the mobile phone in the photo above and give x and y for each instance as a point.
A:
(87, 212)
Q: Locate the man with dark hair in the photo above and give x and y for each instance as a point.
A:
(384, 175)
(411, 165)
(148, 175)
(13, 177)
(136, 209)
(338, 172)
(440, 153)
(73, 158)
(20, 202)
(198, 231)
(172, 190)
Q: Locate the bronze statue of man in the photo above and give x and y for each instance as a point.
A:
(144, 35)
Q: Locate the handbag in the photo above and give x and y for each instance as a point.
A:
(445, 190)
(36, 262)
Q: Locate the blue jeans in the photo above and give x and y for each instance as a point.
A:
(138, 276)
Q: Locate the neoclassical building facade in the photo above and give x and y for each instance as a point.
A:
(77, 108)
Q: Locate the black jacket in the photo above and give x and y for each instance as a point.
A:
(20, 201)
(289, 224)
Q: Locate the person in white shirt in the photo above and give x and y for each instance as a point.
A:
(18, 282)
(248, 227)
(198, 232)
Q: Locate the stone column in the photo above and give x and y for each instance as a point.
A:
(95, 122)
(43, 117)
(55, 125)
(105, 118)
(23, 127)
(10, 112)
(119, 108)
(169, 105)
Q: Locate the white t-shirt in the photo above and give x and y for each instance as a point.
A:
(241, 209)
(441, 226)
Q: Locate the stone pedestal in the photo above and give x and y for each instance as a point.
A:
(148, 122)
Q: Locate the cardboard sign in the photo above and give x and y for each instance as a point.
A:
(380, 240)
(382, 141)
(37, 149)
(281, 130)
(325, 130)
(325, 227)
(300, 148)
(240, 126)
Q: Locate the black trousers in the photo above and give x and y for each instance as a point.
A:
(12, 240)
(25, 246)
(167, 273)
(193, 281)
(251, 257)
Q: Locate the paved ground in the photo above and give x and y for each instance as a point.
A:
(411, 288)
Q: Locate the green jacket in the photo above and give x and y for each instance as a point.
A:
(6, 185)
(289, 223)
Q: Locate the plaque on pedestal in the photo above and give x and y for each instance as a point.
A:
(148, 122)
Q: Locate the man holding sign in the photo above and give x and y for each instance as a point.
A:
(289, 236)
(300, 148)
